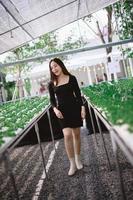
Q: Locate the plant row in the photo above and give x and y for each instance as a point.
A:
(114, 99)
(14, 116)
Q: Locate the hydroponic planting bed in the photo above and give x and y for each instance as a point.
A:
(114, 100)
(14, 116)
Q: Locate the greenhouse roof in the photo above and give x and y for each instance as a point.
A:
(24, 20)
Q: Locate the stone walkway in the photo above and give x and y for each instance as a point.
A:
(94, 182)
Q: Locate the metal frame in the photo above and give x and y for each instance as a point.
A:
(93, 127)
(102, 137)
(100, 131)
(51, 129)
(12, 7)
(8, 11)
(7, 148)
(114, 145)
(116, 141)
(44, 57)
(20, 25)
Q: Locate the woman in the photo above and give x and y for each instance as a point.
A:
(67, 104)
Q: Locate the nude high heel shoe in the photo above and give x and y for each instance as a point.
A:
(73, 167)
(78, 162)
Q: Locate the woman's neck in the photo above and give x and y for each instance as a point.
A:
(61, 76)
(62, 79)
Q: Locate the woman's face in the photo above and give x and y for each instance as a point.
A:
(55, 68)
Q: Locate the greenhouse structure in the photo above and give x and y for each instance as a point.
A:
(33, 160)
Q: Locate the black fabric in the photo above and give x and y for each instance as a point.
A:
(67, 98)
(52, 95)
(89, 120)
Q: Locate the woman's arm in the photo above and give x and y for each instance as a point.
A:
(78, 95)
(53, 101)
(52, 94)
(76, 90)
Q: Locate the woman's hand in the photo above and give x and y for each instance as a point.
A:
(58, 113)
(83, 114)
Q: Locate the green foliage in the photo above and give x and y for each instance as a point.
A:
(44, 45)
(114, 99)
(14, 116)
(124, 14)
(70, 44)
(48, 43)
(129, 52)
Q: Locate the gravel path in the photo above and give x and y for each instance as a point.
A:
(94, 182)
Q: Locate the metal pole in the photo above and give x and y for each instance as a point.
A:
(39, 141)
(114, 145)
(51, 129)
(44, 57)
(101, 134)
(17, 21)
(8, 168)
(93, 127)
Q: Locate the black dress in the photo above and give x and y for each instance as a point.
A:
(67, 98)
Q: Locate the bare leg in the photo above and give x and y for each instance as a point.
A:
(68, 139)
(77, 146)
(76, 140)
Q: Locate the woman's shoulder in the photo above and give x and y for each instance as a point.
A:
(72, 77)
(50, 84)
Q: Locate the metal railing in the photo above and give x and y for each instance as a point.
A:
(7, 148)
(44, 57)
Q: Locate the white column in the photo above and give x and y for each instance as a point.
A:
(95, 74)
(115, 76)
(131, 65)
(107, 72)
(102, 70)
(89, 76)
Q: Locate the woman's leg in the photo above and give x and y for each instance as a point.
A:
(77, 146)
(68, 140)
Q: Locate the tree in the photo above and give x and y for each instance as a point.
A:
(100, 32)
(124, 16)
(71, 44)
(45, 44)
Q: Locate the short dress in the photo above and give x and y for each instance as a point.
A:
(67, 98)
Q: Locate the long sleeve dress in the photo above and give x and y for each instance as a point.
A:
(67, 98)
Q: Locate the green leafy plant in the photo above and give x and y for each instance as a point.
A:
(114, 99)
(14, 116)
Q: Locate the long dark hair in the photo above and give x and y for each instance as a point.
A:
(61, 64)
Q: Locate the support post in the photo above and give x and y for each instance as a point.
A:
(101, 134)
(51, 129)
(115, 150)
(39, 142)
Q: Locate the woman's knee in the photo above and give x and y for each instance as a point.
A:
(67, 133)
(76, 132)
